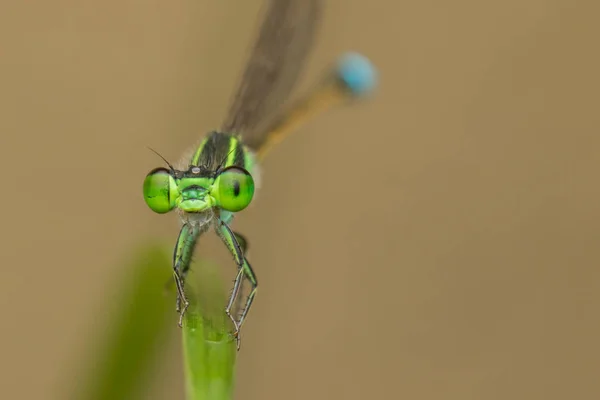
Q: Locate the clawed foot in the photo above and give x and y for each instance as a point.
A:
(236, 335)
(182, 311)
(236, 329)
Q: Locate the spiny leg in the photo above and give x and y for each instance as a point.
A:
(244, 269)
(232, 296)
(243, 242)
(251, 277)
(182, 257)
(237, 284)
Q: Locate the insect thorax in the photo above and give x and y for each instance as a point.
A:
(220, 150)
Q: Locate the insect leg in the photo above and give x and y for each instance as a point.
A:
(182, 257)
(243, 242)
(244, 269)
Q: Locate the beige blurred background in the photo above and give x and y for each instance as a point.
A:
(439, 241)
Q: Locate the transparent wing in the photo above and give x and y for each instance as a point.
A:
(279, 54)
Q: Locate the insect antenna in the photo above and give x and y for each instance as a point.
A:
(224, 159)
(164, 159)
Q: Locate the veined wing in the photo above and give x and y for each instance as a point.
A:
(279, 54)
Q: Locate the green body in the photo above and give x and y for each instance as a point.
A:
(207, 193)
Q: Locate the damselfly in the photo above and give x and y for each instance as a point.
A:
(218, 180)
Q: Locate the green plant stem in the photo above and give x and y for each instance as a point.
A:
(209, 350)
(209, 364)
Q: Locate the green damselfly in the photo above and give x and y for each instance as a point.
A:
(218, 180)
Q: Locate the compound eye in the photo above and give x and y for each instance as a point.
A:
(160, 190)
(235, 189)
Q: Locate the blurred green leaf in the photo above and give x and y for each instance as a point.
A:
(128, 348)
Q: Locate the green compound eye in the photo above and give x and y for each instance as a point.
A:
(160, 190)
(235, 189)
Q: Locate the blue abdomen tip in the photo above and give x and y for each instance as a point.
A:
(357, 73)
